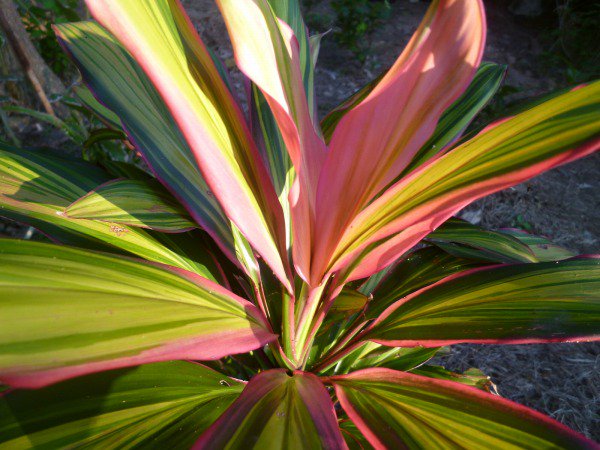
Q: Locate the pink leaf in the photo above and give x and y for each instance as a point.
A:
(376, 140)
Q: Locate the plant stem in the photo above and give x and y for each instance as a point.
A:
(307, 315)
(287, 326)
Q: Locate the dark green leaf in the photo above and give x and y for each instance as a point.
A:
(156, 405)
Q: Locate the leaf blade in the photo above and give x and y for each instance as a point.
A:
(134, 203)
(101, 312)
(521, 303)
(162, 40)
(396, 118)
(514, 150)
(145, 118)
(278, 411)
(36, 188)
(167, 403)
(400, 409)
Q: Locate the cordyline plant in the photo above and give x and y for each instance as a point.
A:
(313, 267)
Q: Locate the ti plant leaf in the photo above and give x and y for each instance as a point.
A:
(542, 248)
(162, 40)
(521, 303)
(350, 274)
(165, 404)
(372, 354)
(277, 410)
(74, 312)
(393, 122)
(36, 188)
(559, 131)
(401, 410)
(414, 271)
(145, 118)
(465, 240)
(134, 203)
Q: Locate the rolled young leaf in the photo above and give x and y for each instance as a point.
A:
(135, 203)
(376, 140)
(277, 410)
(520, 303)
(74, 312)
(401, 410)
(166, 404)
(36, 188)
(556, 132)
(162, 40)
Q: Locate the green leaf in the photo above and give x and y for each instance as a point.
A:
(145, 117)
(464, 240)
(76, 134)
(104, 134)
(405, 359)
(164, 405)
(472, 377)
(36, 188)
(372, 354)
(101, 111)
(349, 301)
(521, 303)
(401, 410)
(66, 312)
(459, 115)
(277, 410)
(414, 271)
(542, 248)
(352, 435)
(133, 203)
(120, 169)
(561, 130)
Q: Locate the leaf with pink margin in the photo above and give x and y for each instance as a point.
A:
(159, 405)
(144, 204)
(36, 187)
(509, 304)
(412, 272)
(255, 30)
(277, 410)
(162, 40)
(74, 312)
(146, 120)
(514, 150)
(401, 410)
(378, 138)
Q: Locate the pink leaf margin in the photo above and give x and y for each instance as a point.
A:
(311, 390)
(430, 343)
(212, 347)
(469, 393)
